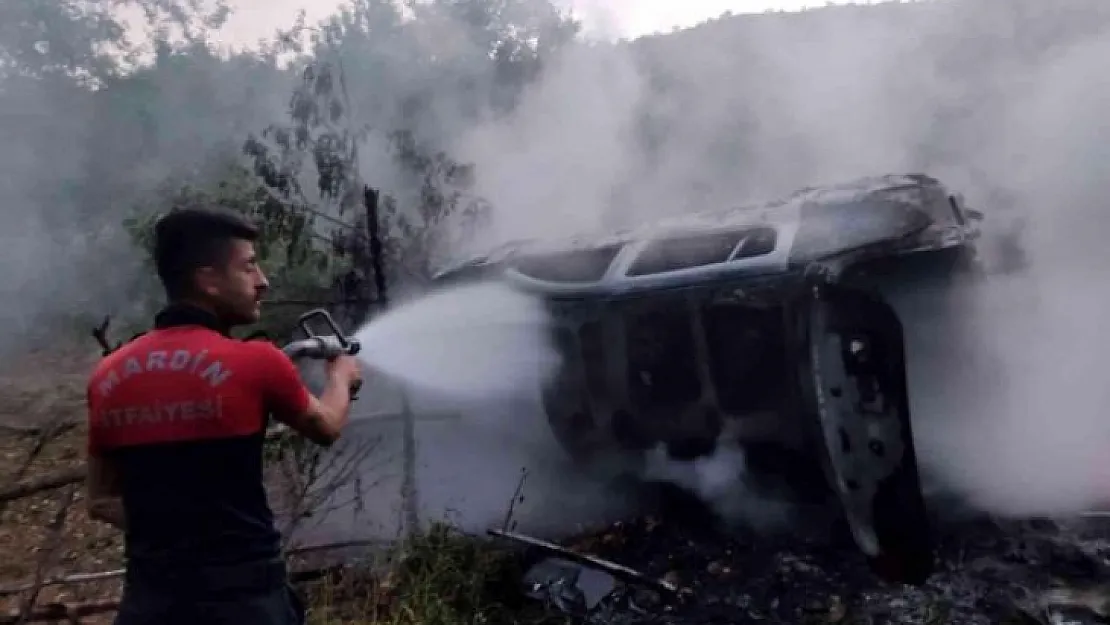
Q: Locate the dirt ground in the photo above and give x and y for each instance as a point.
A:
(38, 392)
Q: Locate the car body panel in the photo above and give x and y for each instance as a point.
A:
(739, 326)
(881, 215)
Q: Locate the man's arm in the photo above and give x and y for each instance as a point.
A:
(103, 492)
(318, 419)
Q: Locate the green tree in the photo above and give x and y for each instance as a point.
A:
(296, 264)
(374, 76)
(108, 136)
(89, 39)
(320, 145)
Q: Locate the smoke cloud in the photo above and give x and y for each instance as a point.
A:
(76, 162)
(1004, 100)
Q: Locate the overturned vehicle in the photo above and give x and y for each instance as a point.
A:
(764, 327)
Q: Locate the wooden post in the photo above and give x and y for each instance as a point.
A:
(410, 507)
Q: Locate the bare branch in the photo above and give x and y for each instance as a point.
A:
(53, 612)
(74, 612)
(58, 479)
(65, 580)
(50, 550)
(83, 578)
(20, 429)
(49, 432)
(100, 333)
(350, 544)
(313, 477)
(618, 571)
(304, 206)
(74, 475)
(518, 497)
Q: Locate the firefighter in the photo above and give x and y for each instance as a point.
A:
(177, 421)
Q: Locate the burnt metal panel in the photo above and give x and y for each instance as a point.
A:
(592, 339)
(747, 357)
(827, 229)
(662, 360)
(837, 218)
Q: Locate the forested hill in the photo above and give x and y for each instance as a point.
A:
(489, 117)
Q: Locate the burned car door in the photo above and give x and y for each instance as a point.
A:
(853, 365)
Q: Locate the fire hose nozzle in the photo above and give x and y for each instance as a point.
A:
(323, 346)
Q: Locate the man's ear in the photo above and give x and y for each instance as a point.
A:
(207, 281)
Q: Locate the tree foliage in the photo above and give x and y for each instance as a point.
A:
(289, 252)
(309, 171)
(90, 40)
(350, 95)
(119, 120)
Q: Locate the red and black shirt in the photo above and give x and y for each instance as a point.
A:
(182, 412)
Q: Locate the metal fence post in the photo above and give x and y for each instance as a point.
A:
(410, 508)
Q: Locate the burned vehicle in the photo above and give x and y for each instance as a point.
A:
(764, 327)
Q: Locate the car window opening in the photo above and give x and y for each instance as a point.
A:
(688, 251)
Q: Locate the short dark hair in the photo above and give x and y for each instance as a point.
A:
(188, 239)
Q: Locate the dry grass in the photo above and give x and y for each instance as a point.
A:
(442, 577)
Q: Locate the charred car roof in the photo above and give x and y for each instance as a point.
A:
(890, 214)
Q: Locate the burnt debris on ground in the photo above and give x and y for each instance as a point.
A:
(989, 572)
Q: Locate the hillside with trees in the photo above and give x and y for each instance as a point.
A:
(115, 124)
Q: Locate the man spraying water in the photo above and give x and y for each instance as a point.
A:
(177, 421)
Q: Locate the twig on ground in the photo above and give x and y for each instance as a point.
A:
(310, 575)
(50, 549)
(20, 429)
(618, 571)
(50, 481)
(300, 551)
(53, 612)
(74, 612)
(65, 477)
(49, 432)
(53, 429)
(67, 580)
(81, 578)
(518, 497)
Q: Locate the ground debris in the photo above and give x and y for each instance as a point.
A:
(989, 572)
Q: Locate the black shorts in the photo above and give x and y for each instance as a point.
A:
(253, 594)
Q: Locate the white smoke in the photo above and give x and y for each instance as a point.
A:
(1002, 100)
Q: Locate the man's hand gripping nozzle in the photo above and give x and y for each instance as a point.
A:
(323, 346)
